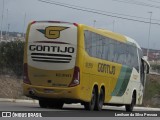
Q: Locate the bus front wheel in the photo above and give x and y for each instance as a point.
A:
(91, 105)
(129, 108)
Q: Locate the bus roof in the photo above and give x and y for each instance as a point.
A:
(133, 41)
(116, 36)
(113, 35)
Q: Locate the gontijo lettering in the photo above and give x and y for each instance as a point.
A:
(105, 68)
(46, 48)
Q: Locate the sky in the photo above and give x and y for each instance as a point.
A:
(21, 12)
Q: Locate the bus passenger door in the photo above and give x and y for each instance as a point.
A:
(142, 73)
(144, 70)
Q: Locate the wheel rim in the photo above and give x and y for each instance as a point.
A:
(133, 102)
(93, 99)
(101, 99)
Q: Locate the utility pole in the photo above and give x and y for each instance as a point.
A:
(94, 23)
(113, 24)
(8, 31)
(149, 34)
(24, 25)
(2, 20)
(6, 23)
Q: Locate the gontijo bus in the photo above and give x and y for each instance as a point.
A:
(75, 63)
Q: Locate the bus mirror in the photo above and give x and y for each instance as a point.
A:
(147, 65)
(148, 68)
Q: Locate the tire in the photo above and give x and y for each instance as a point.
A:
(43, 103)
(91, 105)
(56, 105)
(129, 108)
(100, 100)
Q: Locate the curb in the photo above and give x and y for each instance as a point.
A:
(23, 101)
(17, 100)
(136, 107)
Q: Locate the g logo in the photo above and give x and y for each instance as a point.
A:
(52, 32)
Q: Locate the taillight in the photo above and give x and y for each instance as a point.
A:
(33, 22)
(76, 77)
(75, 24)
(25, 74)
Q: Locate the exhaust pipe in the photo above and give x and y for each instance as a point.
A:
(32, 92)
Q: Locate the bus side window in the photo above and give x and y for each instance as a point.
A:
(101, 38)
(136, 64)
(134, 58)
(111, 51)
(88, 42)
(129, 59)
(128, 56)
(103, 48)
(121, 53)
(98, 46)
(116, 52)
(94, 45)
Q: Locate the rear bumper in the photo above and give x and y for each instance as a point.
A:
(40, 92)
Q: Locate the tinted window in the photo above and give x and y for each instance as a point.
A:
(88, 42)
(108, 49)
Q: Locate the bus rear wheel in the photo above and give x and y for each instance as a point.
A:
(100, 100)
(91, 105)
(129, 108)
(43, 103)
(57, 105)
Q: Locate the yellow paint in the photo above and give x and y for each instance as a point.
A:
(89, 75)
(40, 77)
(107, 33)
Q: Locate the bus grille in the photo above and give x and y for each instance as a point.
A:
(51, 58)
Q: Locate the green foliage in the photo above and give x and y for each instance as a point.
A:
(152, 88)
(156, 67)
(11, 57)
(152, 91)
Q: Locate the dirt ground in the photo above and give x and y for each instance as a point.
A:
(10, 87)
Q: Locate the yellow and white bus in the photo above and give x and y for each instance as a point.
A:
(74, 63)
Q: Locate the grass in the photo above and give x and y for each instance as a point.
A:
(152, 90)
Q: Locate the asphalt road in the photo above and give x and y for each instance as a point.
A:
(75, 110)
(23, 106)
